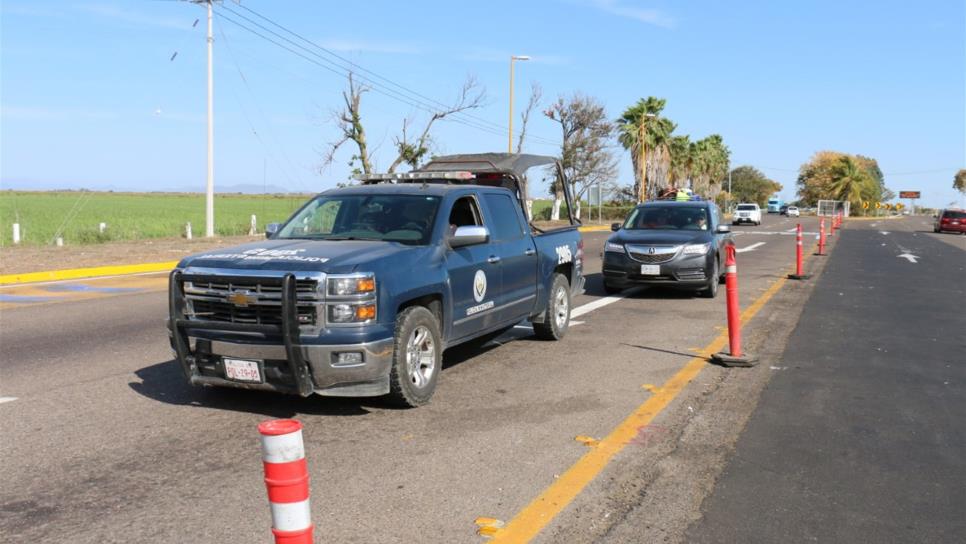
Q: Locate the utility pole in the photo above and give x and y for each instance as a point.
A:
(210, 193)
(729, 189)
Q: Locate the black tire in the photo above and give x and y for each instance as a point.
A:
(406, 389)
(711, 290)
(555, 326)
(611, 289)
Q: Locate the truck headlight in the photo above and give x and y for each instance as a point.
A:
(347, 286)
(697, 249)
(614, 248)
(344, 312)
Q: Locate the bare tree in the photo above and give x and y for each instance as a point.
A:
(586, 149)
(471, 96)
(349, 121)
(536, 94)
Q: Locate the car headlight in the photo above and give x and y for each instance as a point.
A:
(347, 286)
(697, 249)
(345, 312)
(614, 248)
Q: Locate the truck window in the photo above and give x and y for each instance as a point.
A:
(505, 222)
(465, 214)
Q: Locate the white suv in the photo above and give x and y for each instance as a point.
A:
(746, 213)
(793, 211)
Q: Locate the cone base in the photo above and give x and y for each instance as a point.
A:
(726, 359)
(799, 276)
(820, 254)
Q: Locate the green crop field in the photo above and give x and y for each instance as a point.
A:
(75, 215)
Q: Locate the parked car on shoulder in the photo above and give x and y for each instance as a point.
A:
(676, 244)
(746, 213)
(792, 211)
(950, 220)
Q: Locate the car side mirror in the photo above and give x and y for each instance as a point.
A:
(723, 229)
(469, 236)
(271, 229)
(615, 227)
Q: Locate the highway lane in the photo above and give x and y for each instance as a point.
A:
(861, 439)
(127, 450)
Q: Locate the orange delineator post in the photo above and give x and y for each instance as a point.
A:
(799, 273)
(821, 237)
(735, 357)
(287, 480)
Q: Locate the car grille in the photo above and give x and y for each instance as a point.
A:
(661, 254)
(209, 299)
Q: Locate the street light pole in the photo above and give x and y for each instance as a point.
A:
(509, 143)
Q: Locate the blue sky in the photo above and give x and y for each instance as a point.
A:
(91, 99)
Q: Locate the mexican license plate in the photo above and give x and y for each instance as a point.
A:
(650, 269)
(243, 370)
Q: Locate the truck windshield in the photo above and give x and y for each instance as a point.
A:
(665, 218)
(407, 219)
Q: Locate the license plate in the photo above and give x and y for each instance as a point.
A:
(650, 269)
(242, 370)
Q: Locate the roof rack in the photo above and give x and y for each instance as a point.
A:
(413, 176)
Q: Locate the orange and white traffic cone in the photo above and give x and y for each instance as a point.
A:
(287, 480)
(799, 272)
(821, 238)
(735, 357)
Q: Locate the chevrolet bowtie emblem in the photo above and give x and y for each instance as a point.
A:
(242, 298)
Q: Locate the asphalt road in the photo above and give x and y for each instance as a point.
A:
(105, 442)
(860, 438)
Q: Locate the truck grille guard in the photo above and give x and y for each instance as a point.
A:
(288, 330)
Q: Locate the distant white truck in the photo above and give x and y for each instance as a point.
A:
(747, 213)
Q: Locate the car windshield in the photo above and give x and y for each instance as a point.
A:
(746, 207)
(667, 218)
(407, 219)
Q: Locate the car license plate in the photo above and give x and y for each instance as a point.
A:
(650, 269)
(242, 370)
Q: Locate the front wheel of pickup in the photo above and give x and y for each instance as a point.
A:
(417, 358)
(556, 318)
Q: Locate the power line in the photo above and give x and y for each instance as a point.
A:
(417, 101)
(365, 70)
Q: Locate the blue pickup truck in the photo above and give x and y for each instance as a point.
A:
(364, 287)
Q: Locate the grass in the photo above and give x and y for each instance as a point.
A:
(75, 215)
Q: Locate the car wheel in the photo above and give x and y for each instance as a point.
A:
(556, 318)
(711, 290)
(417, 358)
(611, 289)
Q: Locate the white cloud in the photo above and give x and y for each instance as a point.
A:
(32, 113)
(493, 55)
(108, 11)
(356, 46)
(654, 17)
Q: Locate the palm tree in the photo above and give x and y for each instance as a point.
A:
(657, 134)
(850, 181)
(681, 161)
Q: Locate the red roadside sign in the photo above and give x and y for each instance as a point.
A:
(909, 194)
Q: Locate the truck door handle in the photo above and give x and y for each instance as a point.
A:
(493, 259)
(530, 252)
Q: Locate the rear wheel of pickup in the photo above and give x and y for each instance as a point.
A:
(417, 358)
(556, 318)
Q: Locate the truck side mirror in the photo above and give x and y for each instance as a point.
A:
(271, 229)
(615, 227)
(469, 236)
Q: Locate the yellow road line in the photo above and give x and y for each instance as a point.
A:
(594, 228)
(78, 273)
(528, 523)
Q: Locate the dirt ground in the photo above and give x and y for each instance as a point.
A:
(18, 260)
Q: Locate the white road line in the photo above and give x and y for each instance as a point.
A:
(600, 303)
(7, 399)
(750, 248)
